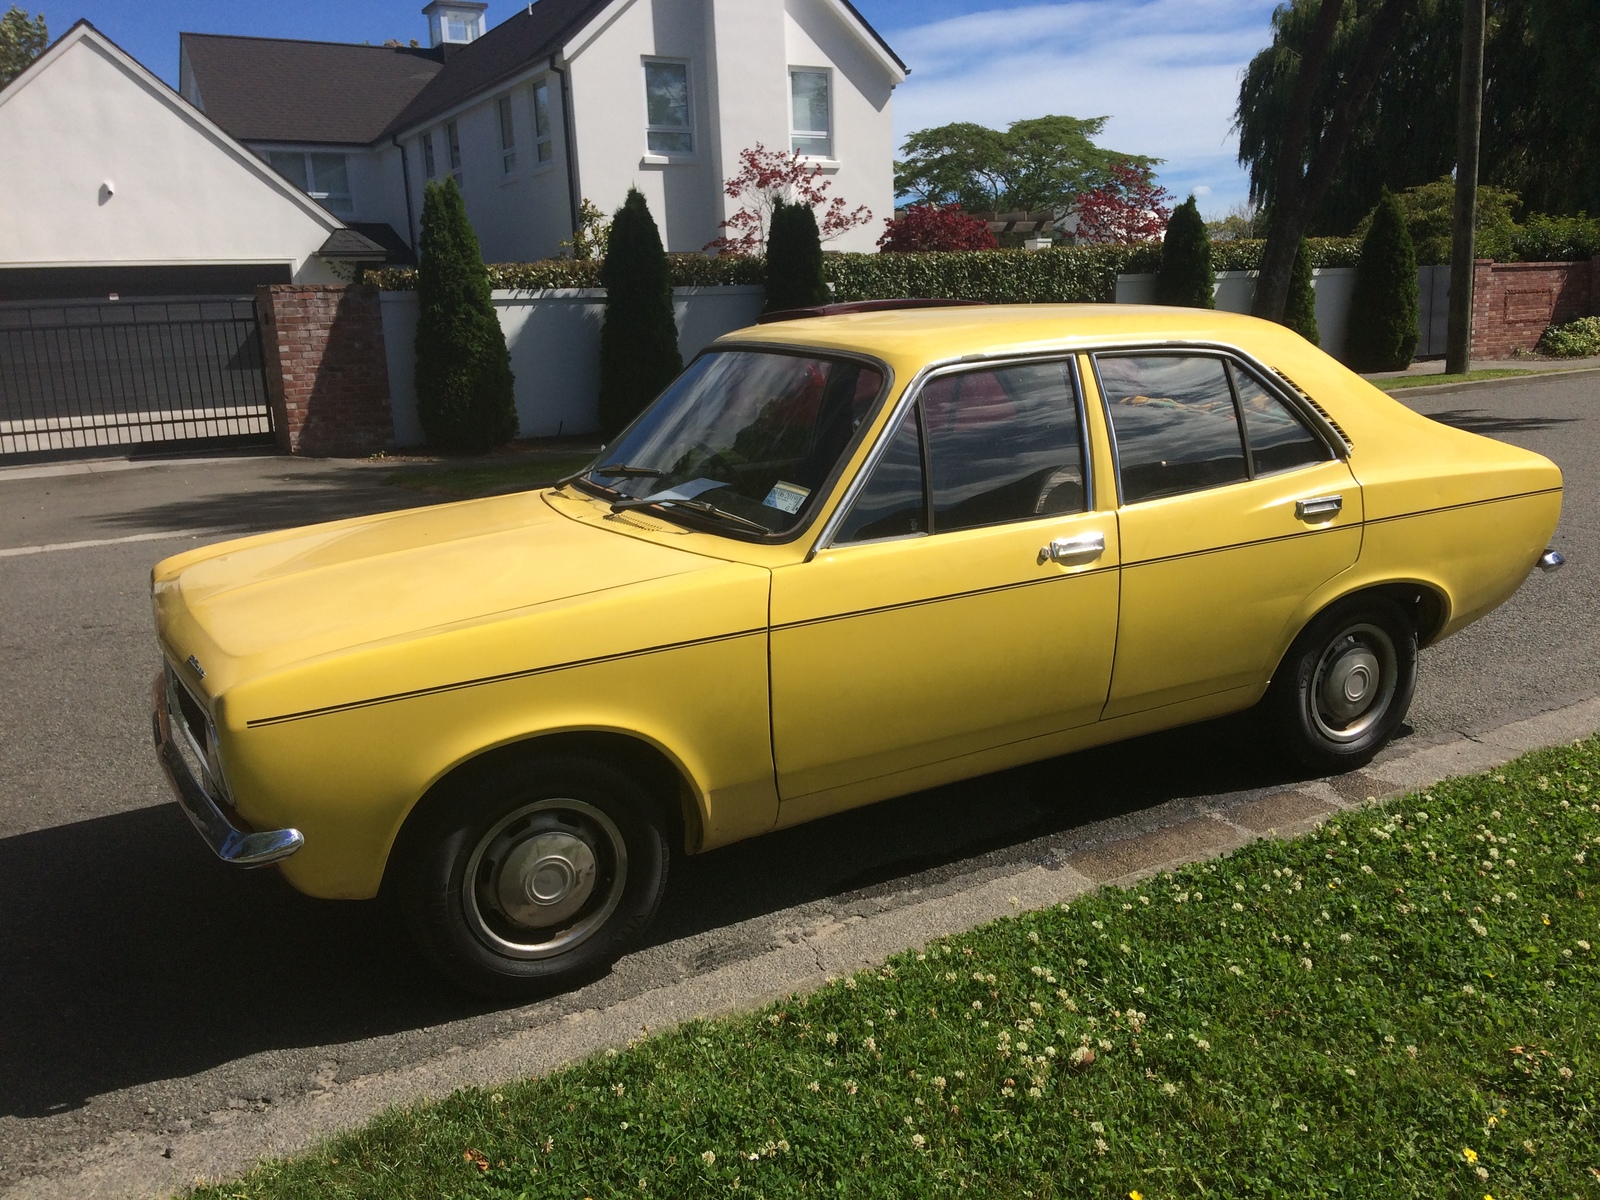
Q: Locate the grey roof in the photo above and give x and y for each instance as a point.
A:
(514, 45)
(279, 90)
(348, 244)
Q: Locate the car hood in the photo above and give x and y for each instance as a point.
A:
(250, 606)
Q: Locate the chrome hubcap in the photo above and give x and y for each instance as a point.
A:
(1354, 683)
(544, 878)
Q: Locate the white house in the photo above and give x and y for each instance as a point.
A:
(563, 101)
(111, 183)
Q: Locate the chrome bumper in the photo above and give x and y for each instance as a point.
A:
(242, 848)
(1552, 560)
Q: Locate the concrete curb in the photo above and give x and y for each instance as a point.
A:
(1109, 852)
(1433, 389)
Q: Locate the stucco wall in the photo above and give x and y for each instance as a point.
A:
(178, 192)
(1235, 290)
(554, 339)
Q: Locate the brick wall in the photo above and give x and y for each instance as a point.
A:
(327, 378)
(1513, 302)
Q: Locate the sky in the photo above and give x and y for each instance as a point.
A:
(1165, 72)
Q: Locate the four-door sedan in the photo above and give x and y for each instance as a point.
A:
(840, 559)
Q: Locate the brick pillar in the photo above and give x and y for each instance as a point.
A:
(1484, 298)
(1594, 286)
(327, 375)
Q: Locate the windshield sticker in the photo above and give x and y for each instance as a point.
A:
(786, 497)
(688, 491)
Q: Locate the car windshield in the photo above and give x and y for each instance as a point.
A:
(743, 440)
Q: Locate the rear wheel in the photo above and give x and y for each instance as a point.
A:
(534, 877)
(1345, 685)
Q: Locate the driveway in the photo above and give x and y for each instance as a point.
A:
(145, 988)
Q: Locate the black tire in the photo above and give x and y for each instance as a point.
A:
(1345, 685)
(534, 876)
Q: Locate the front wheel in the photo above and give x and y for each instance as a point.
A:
(535, 877)
(1345, 685)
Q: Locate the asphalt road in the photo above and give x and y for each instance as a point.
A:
(145, 987)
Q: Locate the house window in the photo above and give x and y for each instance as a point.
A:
(811, 113)
(323, 177)
(544, 145)
(508, 137)
(460, 28)
(429, 166)
(667, 110)
(452, 133)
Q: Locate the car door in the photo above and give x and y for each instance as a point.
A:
(965, 599)
(1233, 511)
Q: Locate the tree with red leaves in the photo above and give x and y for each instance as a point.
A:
(931, 227)
(767, 176)
(1129, 208)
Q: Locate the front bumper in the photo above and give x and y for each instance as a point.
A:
(240, 847)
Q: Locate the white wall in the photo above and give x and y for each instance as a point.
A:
(554, 339)
(181, 192)
(518, 217)
(1236, 290)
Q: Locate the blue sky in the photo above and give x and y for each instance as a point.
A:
(1166, 72)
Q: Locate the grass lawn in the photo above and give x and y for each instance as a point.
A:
(487, 479)
(1403, 1004)
(1411, 381)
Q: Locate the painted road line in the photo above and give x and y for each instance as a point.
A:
(53, 547)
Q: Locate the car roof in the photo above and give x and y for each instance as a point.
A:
(924, 335)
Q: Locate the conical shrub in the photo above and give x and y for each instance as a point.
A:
(794, 259)
(464, 384)
(1300, 311)
(1186, 277)
(1383, 307)
(639, 340)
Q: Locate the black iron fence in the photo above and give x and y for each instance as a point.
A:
(77, 376)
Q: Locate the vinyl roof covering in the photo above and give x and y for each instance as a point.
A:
(278, 90)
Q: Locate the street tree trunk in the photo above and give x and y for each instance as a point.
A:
(1469, 121)
(1300, 189)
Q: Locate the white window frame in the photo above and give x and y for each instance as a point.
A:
(430, 165)
(652, 155)
(544, 148)
(508, 137)
(340, 204)
(452, 137)
(812, 134)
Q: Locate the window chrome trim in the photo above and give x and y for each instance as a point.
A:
(1266, 376)
(912, 394)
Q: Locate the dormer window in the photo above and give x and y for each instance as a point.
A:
(454, 22)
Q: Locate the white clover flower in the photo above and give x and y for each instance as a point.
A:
(1345, 938)
(939, 1082)
(918, 1140)
(1035, 1092)
(1202, 1043)
(1100, 1146)
(1097, 924)
(709, 1157)
(813, 1086)
(1033, 937)
(1236, 969)
(1097, 1126)
(871, 1044)
(833, 1038)
(1237, 907)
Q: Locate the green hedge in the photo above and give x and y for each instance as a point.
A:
(1067, 274)
(1557, 239)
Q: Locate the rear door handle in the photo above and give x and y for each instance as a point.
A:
(1320, 508)
(1084, 548)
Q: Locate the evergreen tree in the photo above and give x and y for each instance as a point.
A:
(1383, 307)
(1300, 313)
(794, 259)
(1186, 277)
(464, 381)
(639, 340)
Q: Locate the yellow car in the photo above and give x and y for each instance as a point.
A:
(841, 558)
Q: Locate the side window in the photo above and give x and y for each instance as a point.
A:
(891, 505)
(1175, 423)
(1279, 440)
(1003, 445)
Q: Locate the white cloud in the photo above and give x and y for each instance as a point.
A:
(1165, 73)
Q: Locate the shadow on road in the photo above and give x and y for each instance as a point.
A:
(277, 501)
(1477, 420)
(128, 955)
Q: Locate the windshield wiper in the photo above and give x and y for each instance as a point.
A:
(699, 506)
(627, 471)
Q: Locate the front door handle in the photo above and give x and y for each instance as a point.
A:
(1321, 508)
(1084, 548)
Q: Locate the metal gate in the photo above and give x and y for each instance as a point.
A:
(78, 376)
